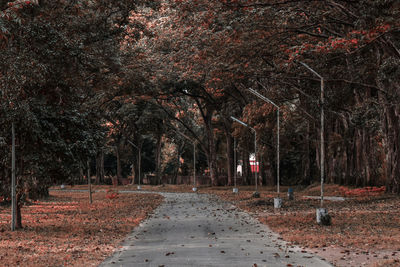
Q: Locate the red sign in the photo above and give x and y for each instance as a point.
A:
(254, 167)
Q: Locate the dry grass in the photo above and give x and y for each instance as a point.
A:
(67, 230)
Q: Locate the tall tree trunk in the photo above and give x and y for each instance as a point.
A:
(119, 168)
(158, 159)
(367, 152)
(211, 149)
(306, 179)
(178, 162)
(344, 163)
(138, 168)
(100, 166)
(246, 168)
(207, 112)
(359, 160)
(229, 155)
(267, 169)
(81, 178)
(393, 148)
(18, 222)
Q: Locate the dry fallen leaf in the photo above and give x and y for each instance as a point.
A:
(62, 229)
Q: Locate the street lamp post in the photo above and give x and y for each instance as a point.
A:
(277, 135)
(322, 159)
(194, 158)
(139, 161)
(255, 149)
(322, 214)
(278, 201)
(235, 189)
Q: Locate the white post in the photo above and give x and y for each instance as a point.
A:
(13, 190)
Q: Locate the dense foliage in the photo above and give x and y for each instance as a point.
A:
(84, 78)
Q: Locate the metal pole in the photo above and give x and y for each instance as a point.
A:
(194, 158)
(322, 142)
(194, 164)
(255, 157)
(322, 159)
(234, 160)
(255, 146)
(277, 152)
(254, 92)
(13, 191)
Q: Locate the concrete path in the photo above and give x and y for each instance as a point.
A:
(191, 229)
(327, 198)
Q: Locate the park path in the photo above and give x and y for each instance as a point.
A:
(191, 229)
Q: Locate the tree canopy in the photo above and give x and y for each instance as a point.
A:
(77, 77)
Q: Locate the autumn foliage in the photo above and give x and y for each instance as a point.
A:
(112, 194)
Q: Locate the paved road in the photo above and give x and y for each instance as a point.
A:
(199, 230)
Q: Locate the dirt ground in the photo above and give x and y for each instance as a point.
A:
(66, 230)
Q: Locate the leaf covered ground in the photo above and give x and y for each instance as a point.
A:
(66, 230)
(365, 227)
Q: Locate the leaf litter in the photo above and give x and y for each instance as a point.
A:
(66, 230)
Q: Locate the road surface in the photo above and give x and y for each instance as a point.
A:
(191, 229)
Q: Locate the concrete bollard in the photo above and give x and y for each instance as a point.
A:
(277, 203)
(194, 189)
(235, 190)
(323, 218)
(139, 187)
(290, 194)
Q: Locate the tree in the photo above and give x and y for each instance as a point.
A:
(51, 66)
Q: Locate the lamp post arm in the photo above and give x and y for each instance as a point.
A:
(239, 121)
(254, 92)
(135, 146)
(310, 69)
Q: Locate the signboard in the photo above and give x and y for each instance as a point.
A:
(255, 166)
